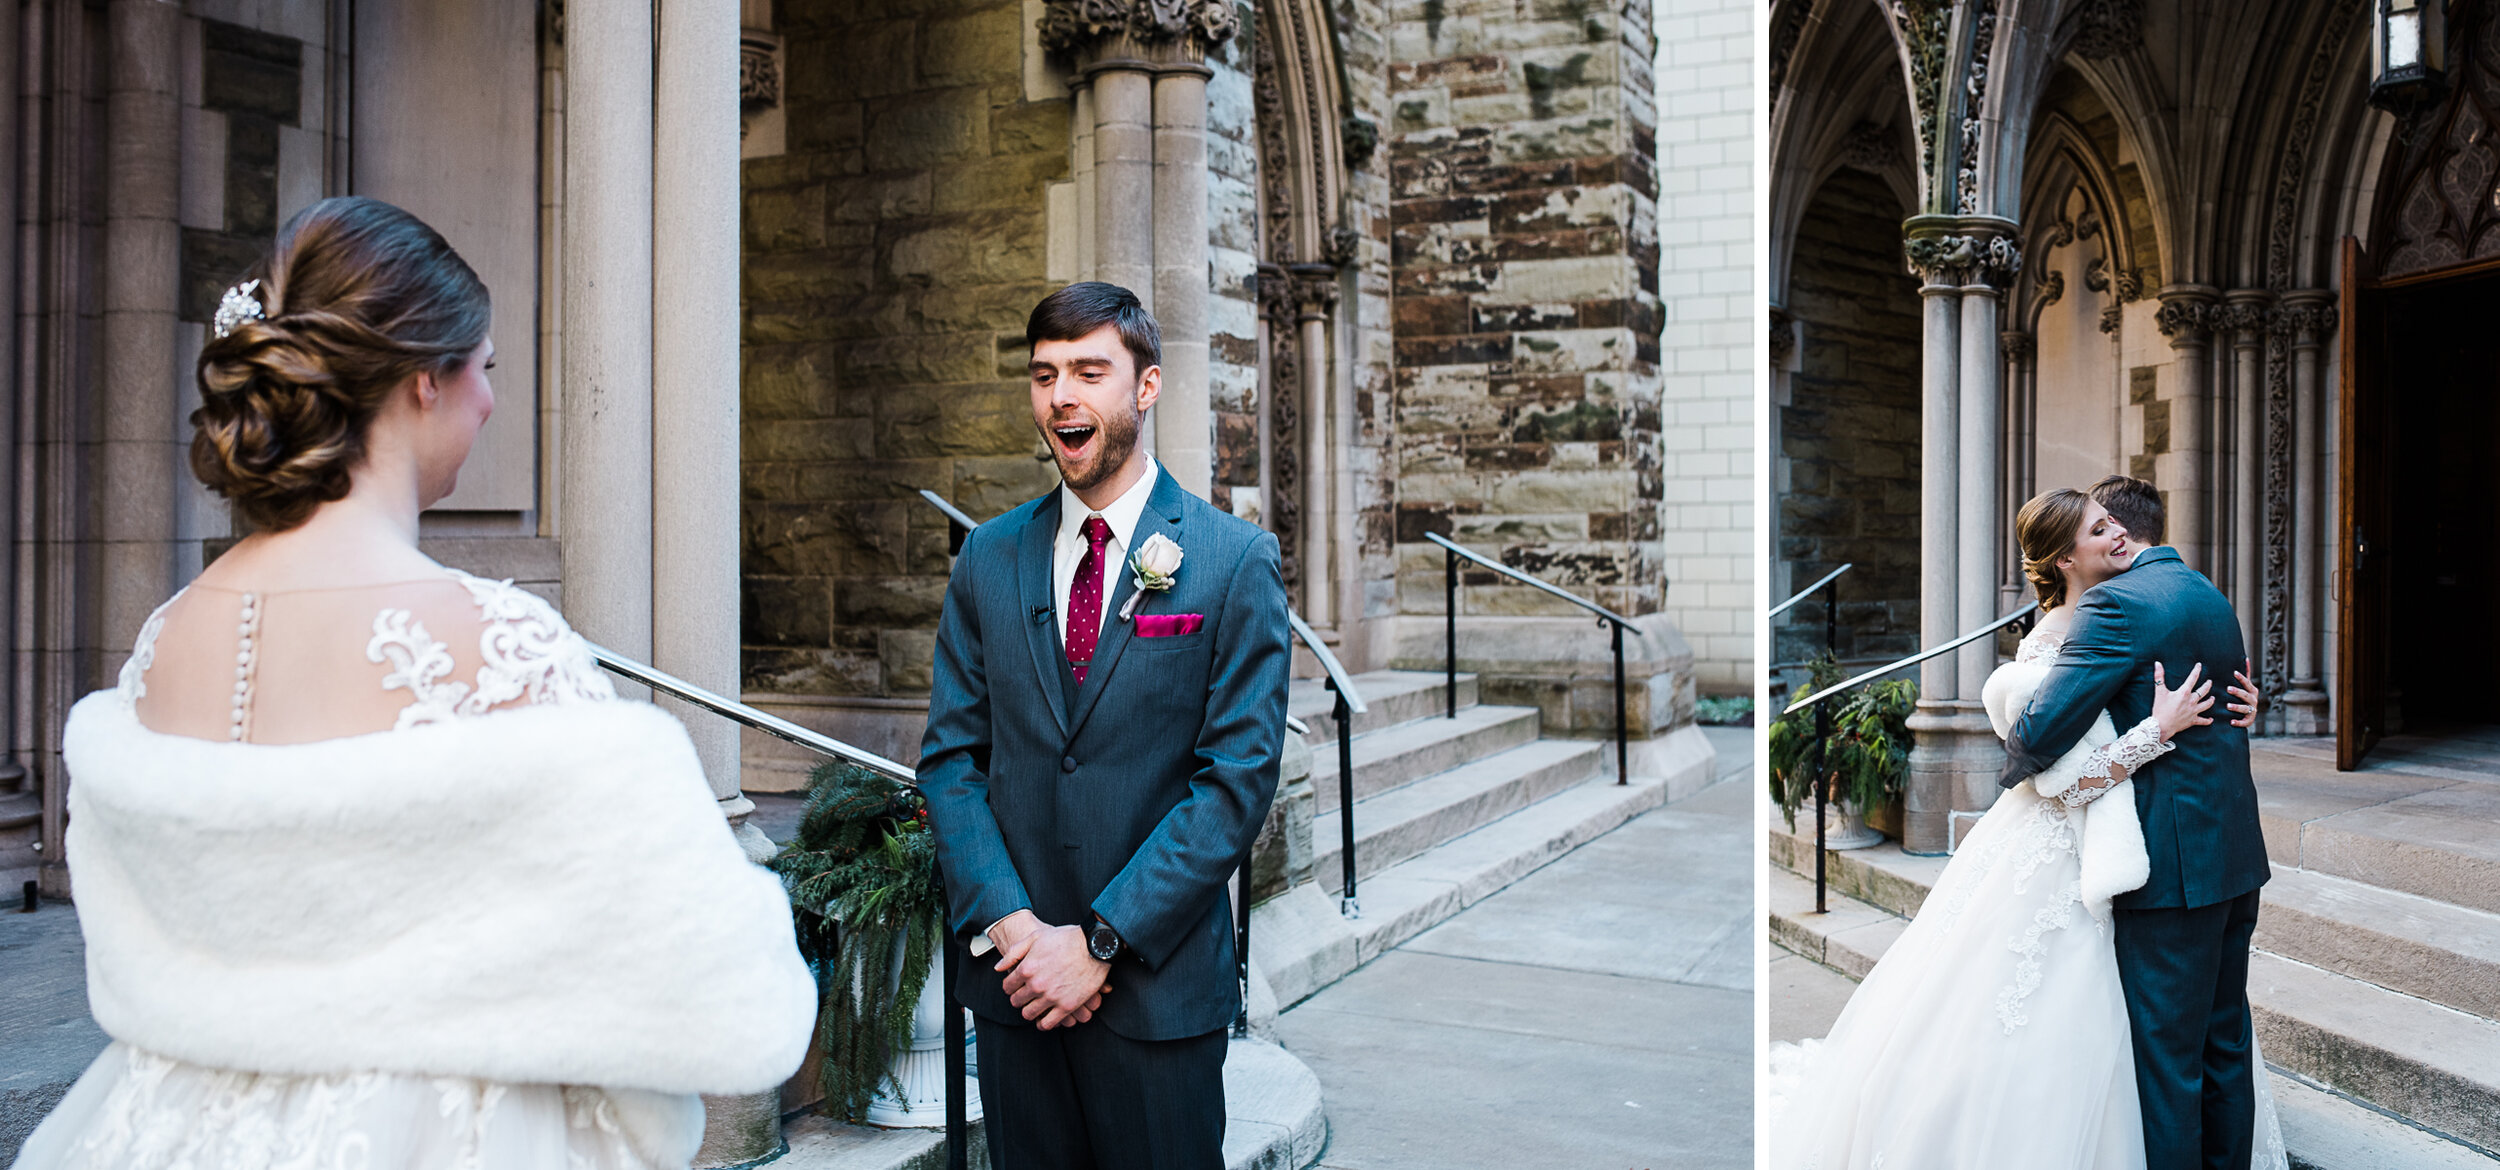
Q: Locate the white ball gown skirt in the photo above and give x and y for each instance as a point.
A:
(1992, 1034)
(135, 1110)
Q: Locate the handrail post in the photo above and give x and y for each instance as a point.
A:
(1346, 903)
(1822, 793)
(958, 1148)
(1449, 630)
(1623, 765)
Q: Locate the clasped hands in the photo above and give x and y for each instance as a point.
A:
(1052, 976)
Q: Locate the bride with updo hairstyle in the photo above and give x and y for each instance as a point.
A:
(373, 866)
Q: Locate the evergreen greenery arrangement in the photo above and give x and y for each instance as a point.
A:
(862, 876)
(1869, 760)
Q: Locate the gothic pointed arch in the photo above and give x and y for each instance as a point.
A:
(1307, 142)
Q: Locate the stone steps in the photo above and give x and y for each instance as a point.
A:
(2449, 955)
(2433, 1066)
(1273, 1121)
(1402, 822)
(1393, 757)
(1390, 697)
(2423, 828)
(19, 810)
(1299, 942)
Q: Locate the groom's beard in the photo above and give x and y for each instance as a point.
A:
(1115, 442)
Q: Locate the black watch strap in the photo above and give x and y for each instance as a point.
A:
(1104, 942)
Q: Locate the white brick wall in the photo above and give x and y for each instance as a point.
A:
(1706, 123)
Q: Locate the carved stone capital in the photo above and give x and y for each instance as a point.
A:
(2110, 317)
(1962, 251)
(2307, 317)
(2245, 312)
(2187, 312)
(2017, 344)
(1075, 26)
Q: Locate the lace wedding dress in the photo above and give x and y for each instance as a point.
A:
(136, 1109)
(1993, 1033)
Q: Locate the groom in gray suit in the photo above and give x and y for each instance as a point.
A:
(1105, 718)
(2182, 937)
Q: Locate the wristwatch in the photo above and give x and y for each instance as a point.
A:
(1104, 942)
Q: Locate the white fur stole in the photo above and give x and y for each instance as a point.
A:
(545, 895)
(2111, 845)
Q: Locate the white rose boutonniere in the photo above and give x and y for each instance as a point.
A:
(1152, 566)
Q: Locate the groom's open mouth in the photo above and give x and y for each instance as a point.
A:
(1072, 439)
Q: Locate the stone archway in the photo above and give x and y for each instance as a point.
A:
(1304, 139)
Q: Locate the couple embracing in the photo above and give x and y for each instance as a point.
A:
(375, 869)
(2073, 991)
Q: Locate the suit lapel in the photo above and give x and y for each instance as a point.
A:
(1041, 625)
(1162, 517)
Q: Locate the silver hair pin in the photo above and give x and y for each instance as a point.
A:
(241, 303)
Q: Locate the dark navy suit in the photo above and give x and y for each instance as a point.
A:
(2182, 939)
(1131, 798)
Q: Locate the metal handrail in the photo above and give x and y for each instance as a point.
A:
(1915, 659)
(1808, 591)
(1338, 680)
(769, 724)
(1451, 551)
(1348, 705)
(958, 1108)
(1524, 579)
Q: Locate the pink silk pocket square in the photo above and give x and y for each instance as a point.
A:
(1168, 625)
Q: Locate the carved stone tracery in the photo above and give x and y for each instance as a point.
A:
(2108, 28)
(1068, 26)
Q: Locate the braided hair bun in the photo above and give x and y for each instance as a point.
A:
(358, 297)
(2045, 528)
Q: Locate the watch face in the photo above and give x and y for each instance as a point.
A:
(1103, 943)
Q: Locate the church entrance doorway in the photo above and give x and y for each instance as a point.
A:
(2421, 548)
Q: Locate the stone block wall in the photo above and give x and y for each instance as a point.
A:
(1366, 339)
(1235, 394)
(1706, 258)
(1850, 431)
(890, 259)
(1523, 219)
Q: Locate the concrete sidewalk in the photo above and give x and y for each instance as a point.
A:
(1598, 1013)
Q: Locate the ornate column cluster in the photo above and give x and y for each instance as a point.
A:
(2247, 315)
(1964, 263)
(2022, 424)
(2186, 315)
(1297, 302)
(2307, 319)
(1140, 167)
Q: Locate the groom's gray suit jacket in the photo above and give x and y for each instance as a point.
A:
(2197, 804)
(1132, 798)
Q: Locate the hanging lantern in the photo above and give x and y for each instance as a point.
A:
(2408, 54)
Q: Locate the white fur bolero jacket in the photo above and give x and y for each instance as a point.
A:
(2111, 848)
(543, 895)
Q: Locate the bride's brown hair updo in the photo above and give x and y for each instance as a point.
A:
(359, 296)
(2045, 528)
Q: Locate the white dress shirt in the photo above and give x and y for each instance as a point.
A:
(1069, 548)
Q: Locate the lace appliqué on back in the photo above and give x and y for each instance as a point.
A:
(2039, 646)
(527, 652)
(133, 683)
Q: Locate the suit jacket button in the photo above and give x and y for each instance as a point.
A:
(1067, 764)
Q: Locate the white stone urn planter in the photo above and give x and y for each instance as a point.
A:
(922, 1067)
(1844, 827)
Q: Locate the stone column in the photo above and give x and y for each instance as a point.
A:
(2312, 313)
(1185, 438)
(2247, 313)
(141, 456)
(1981, 533)
(1962, 262)
(694, 370)
(2021, 352)
(607, 320)
(2186, 313)
(1315, 297)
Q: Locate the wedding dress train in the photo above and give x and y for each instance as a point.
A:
(1993, 1033)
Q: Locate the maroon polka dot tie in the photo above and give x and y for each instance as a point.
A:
(1085, 599)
